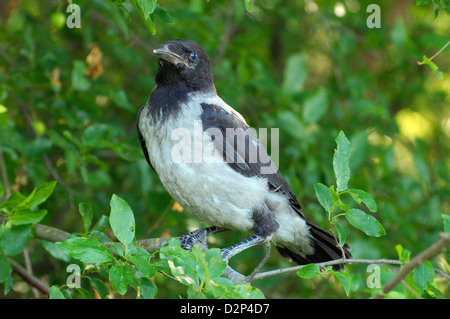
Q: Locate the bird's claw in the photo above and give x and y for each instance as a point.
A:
(189, 240)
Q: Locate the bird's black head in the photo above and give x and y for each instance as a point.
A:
(184, 63)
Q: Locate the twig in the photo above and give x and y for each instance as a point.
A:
(437, 53)
(33, 281)
(411, 290)
(443, 274)
(151, 245)
(428, 253)
(326, 264)
(26, 258)
(261, 264)
(154, 244)
(49, 233)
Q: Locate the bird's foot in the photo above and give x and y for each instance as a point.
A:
(254, 240)
(198, 236)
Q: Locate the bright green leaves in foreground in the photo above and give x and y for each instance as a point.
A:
(18, 214)
(21, 210)
(124, 265)
(129, 267)
(202, 273)
(148, 10)
(340, 161)
(365, 222)
(333, 200)
(122, 222)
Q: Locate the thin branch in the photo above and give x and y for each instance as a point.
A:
(49, 233)
(261, 264)
(154, 244)
(437, 53)
(443, 274)
(411, 290)
(33, 281)
(428, 253)
(326, 264)
(29, 268)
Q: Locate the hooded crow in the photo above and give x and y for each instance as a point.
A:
(214, 165)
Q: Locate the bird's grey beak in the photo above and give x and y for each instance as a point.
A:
(163, 52)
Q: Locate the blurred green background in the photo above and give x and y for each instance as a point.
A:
(69, 99)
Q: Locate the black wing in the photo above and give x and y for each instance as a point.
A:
(141, 139)
(243, 151)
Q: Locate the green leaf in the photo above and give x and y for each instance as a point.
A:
(163, 15)
(121, 220)
(404, 254)
(39, 195)
(99, 286)
(340, 233)
(27, 216)
(249, 292)
(147, 289)
(5, 268)
(118, 249)
(216, 265)
(431, 65)
(340, 161)
(121, 276)
(333, 194)
(147, 7)
(86, 215)
(315, 107)
(79, 81)
(56, 293)
(309, 271)
(54, 250)
(95, 134)
(120, 98)
(14, 240)
(37, 148)
(248, 5)
(142, 262)
(295, 74)
(365, 222)
(12, 202)
(102, 223)
(436, 8)
(344, 280)
(434, 293)
(86, 249)
(424, 275)
(361, 196)
(323, 195)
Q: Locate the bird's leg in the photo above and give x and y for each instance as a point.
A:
(254, 240)
(189, 240)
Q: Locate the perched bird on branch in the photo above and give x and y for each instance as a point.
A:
(214, 165)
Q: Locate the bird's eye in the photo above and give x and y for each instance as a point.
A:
(193, 56)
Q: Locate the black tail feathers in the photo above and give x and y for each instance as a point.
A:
(325, 246)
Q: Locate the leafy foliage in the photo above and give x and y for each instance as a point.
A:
(68, 104)
(133, 267)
